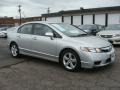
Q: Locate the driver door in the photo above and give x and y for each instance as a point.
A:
(43, 45)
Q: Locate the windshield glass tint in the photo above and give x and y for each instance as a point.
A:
(88, 27)
(113, 27)
(69, 30)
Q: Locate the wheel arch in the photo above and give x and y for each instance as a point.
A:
(67, 48)
(12, 42)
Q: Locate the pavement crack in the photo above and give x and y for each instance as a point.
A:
(8, 66)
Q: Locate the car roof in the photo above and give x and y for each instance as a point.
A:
(43, 22)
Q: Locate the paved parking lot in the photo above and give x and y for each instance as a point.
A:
(27, 73)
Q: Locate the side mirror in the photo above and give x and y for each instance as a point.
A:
(49, 34)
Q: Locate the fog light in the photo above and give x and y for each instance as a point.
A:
(108, 60)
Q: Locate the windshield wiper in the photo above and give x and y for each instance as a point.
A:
(83, 34)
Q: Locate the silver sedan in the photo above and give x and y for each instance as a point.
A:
(62, 43)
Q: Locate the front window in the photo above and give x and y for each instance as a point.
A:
(69, 30)
(113, 27)
(41, 30)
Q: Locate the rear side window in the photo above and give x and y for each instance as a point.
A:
(25, 29)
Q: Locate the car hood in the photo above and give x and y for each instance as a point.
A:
(91, 41)
(109, 32)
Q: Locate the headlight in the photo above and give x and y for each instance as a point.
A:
(117, 35)
(95, 50)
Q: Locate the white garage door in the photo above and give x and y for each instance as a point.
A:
(76, 20)
(54, 19)
(43, 18)
(100, 19)
(114, 18)
(88, 19)
(67, 19)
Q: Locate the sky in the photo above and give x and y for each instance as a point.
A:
(32, 8)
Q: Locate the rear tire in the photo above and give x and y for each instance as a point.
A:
(70, 60)
(14, 50)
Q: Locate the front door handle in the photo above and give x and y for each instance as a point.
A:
(19, 36)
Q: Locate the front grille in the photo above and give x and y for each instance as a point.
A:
(106, 36)
(106, 49)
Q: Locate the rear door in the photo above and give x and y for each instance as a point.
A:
(24, 37)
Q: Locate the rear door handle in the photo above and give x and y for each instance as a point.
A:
(34, 38)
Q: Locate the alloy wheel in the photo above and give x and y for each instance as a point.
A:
(69, 61)
(14, 50)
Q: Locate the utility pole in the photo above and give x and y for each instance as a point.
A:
(48, 10)
(19, 10)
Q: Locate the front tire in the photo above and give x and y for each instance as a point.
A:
(14, 50)
(70, 60)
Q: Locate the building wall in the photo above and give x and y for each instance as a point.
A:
(77, 20)
(54, 19)
(67, 19)
(114, 18)
(87, 19)
(6, 20)
(100, 19)
(43, 19)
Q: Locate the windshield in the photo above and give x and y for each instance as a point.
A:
(69, 30)
(88, 27)
(113, 27)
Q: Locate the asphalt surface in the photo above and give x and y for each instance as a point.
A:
(27, 73)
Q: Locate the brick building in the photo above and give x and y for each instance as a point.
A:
(28, 19)
(4, 21)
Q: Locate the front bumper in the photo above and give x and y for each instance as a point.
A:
(3, 35)
(91, 60)
(113, 40)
